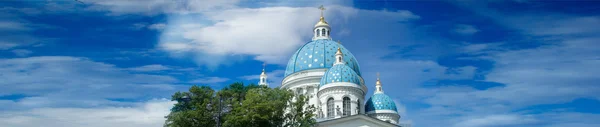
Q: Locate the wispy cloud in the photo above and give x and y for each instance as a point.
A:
(153, 67)
(214, 42)
(210, 80)
(155, 7)
(465, 29)
(51, 81)
(142, 114)
(21, 52)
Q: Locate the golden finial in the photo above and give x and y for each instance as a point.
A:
(322, 21)
(322, 9)
(378, 82)
(264, 65)
(339, 51)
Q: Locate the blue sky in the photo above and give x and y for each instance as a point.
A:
(452, 63)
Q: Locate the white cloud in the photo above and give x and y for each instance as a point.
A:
(465, 29)
(144, 114)
(557, 24)
(410, 72)
(250, 77)
(153, 67)
(549, 74)
(19, 34)
(561, 70)
(154, 7)
(21, 52)
(158, 26)
(253, 32)
(554, 23)
(17, 31)
(13, 26)
(51, 81)
(210, 80)
(138, 26)
(495, 120)
(244, 32)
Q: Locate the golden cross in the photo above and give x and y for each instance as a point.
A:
(264, 64)
(377, 75)
(322, 9)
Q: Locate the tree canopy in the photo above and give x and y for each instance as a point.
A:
(240, 105)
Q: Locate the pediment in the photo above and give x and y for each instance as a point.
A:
(355, 121)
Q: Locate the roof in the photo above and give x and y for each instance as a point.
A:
(380, 101)
(330, 122)
(341, 73)
(319, 54)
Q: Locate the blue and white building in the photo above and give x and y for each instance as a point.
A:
(330, 76)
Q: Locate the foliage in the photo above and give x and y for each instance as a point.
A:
(193, 113)
(238, 105)
(300, 114)
(263, 107)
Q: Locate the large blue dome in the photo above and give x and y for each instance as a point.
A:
(380, 101)
(341, 73)
(319, 54)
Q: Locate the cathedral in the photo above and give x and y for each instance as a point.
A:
(330, 76)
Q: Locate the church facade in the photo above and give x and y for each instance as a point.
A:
(328, 73)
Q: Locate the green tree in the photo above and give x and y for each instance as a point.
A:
(238, 105)
(229, 98)
(192, 112)
(300, 113)
(262, 107)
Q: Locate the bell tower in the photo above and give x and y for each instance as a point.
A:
(322, 29)
(263, 77)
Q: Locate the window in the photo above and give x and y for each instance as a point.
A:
(299, 91)
(346, 105)
(322, 32)
(358, 107)
(328, 33)
(339, 59)
(262, 80)
(330, 108)
(318, 31)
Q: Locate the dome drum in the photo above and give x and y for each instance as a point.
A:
(338, 95)
(389, 117)
(306, 77)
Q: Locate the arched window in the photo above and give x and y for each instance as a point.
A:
(318, 31)
(262, 80)
(358, 106)
(339, 59)
(322, 32)
(330, 108)
(346, 105)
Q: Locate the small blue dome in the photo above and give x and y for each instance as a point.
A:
(380, 101)
(341, 73)
(319, 54)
